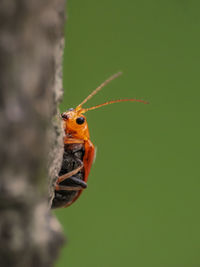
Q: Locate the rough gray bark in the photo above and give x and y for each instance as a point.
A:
(31, 45)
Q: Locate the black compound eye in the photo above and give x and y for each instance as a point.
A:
(80, 120)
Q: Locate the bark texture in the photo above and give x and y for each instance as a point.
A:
(31, 45)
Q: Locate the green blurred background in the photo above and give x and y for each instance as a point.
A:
(141, 207)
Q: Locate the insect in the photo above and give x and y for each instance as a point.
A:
(79, 151)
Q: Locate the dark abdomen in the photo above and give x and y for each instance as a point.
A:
(73, 154)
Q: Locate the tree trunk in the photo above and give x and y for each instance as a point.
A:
(31, 45)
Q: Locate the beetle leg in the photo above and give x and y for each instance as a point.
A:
(69, 174)
(67, 188)
(73, 181)
(75, 184)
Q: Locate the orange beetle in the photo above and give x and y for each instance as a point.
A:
(78, 151)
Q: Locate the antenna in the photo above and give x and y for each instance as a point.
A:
(83, 110)
(99, 88)
(114, 101)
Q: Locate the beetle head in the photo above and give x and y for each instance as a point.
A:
(75, 124)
